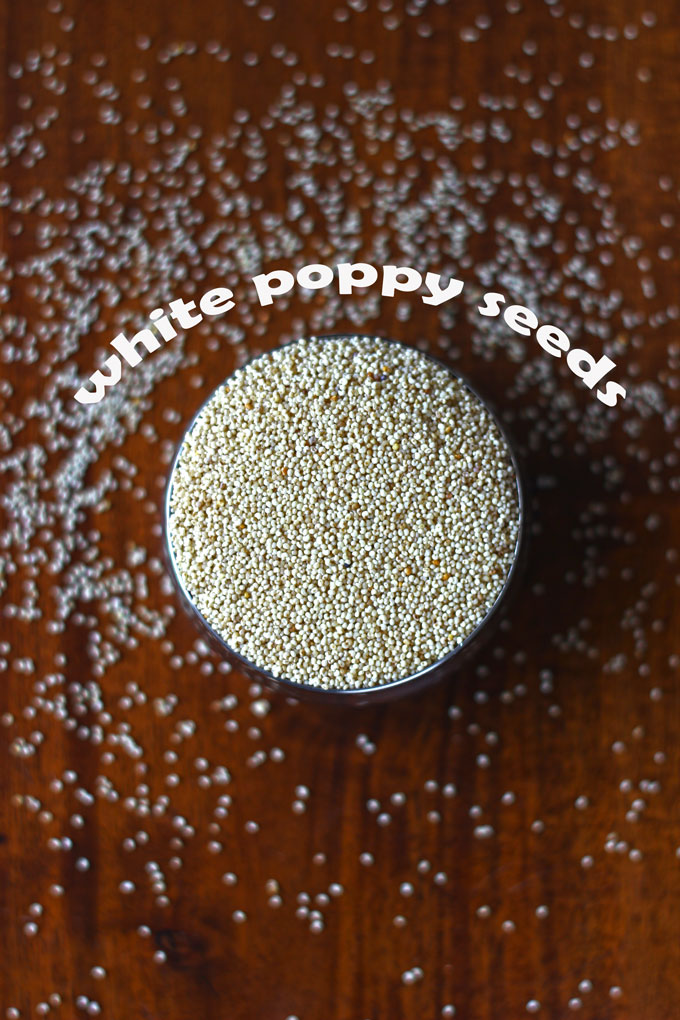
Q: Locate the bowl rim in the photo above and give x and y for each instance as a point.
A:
(414, 680)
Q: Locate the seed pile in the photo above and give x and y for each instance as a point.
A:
(344, 512)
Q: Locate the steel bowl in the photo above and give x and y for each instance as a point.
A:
(400, 686)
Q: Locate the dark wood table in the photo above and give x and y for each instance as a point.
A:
(507, 843)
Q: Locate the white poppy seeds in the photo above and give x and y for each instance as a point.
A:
(344, 512)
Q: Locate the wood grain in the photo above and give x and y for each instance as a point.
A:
(614, 924)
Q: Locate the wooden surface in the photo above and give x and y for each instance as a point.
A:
(577, 697)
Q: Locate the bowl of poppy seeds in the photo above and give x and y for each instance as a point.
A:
(344, 517)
